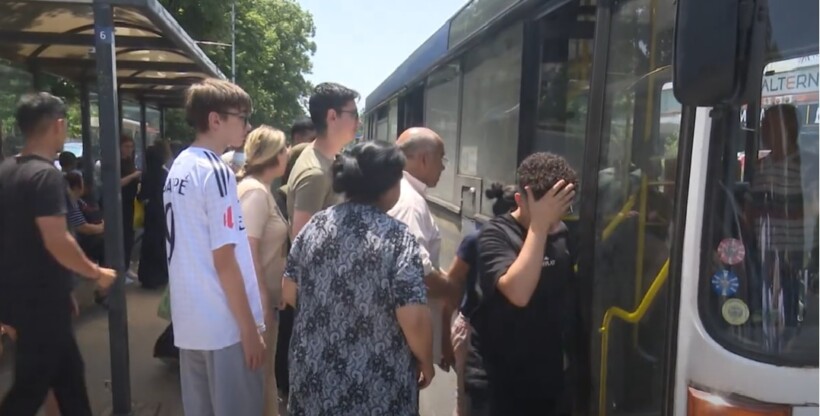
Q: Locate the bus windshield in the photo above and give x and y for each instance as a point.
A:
(759, 276)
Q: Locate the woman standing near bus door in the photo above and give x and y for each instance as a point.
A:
(266, 156)
(463, 273)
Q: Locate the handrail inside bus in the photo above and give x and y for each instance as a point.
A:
(619, 217)
(639, 255)
(629, 317)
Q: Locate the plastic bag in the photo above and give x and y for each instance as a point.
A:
(139, 214)
(164, 308)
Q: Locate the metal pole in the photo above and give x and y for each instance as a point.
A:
(233, 41)
(85, 122)
(119, 107)
(36, 77)
(144, 128)
(162, 123)
(114, 249)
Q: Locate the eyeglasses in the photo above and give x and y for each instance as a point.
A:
(244, 117)
(354, 113)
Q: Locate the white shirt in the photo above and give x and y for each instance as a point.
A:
(203, 214)
(234, 159)
(412, 209)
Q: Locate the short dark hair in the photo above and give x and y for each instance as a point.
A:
(213, 96)
(368, 170)
(33, 109)
(302, 126)
(67, 160)
(295, 152)
(74, 180)
(328, 96)
(541, 171)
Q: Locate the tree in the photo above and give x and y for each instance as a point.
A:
(176, 128)
(274, 46)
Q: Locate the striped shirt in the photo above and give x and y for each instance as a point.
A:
(74, 216)
(777, 194)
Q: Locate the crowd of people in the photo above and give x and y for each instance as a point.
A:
(302, 271)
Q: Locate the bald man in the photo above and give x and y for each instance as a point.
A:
(424, 151)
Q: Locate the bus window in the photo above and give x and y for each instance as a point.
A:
(759, 291)
(441, 115)
(382, 126)
(393, 121)
(633, 223)
(566, 64)
(489, 113)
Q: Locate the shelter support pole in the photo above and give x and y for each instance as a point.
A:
(109, 117)
(37, 80)
(162, 123)
(88, 151)
(143, 129)
(119, 104)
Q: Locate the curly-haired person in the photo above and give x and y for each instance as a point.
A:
(515, 363)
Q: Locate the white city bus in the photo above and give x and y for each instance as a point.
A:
(691, 305)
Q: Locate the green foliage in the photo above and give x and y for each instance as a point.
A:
(274, 46)
(175, 126)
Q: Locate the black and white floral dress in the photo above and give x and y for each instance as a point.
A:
(354, 265)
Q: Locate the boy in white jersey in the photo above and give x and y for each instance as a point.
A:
(216, 307)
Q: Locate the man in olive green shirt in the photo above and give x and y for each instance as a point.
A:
(310, 184)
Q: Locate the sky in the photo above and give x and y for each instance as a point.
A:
(360, 42)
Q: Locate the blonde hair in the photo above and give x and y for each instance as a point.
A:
(262, 148)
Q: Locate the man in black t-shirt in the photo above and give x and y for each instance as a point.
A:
(37, 255)
(515, 364)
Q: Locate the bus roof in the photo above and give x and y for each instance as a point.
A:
(472, 18)
(422, 59)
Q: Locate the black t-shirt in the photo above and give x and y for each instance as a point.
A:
(517, 354)
(32, 282)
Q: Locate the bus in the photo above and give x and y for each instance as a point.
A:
(691, 306)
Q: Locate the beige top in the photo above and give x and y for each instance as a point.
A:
(265, 222)
(310, 185)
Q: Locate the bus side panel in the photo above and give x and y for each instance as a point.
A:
(449, 223)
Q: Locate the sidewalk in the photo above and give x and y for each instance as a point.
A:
(155, 385)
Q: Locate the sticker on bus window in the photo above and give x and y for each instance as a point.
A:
(735, 312)
(725, 283)
(731, 251)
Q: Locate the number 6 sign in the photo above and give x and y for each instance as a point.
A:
(105, 34)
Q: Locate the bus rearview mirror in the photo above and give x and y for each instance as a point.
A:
(719, 45)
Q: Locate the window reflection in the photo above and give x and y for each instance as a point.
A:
(490, 107)
(763, 275)
(636, 199)
(441, 115)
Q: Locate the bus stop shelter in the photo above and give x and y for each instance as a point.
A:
(117, 48)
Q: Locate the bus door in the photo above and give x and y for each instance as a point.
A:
(635, 133)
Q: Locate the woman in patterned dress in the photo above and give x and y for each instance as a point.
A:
(362, 337)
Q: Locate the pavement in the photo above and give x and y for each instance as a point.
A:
(155, 387)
